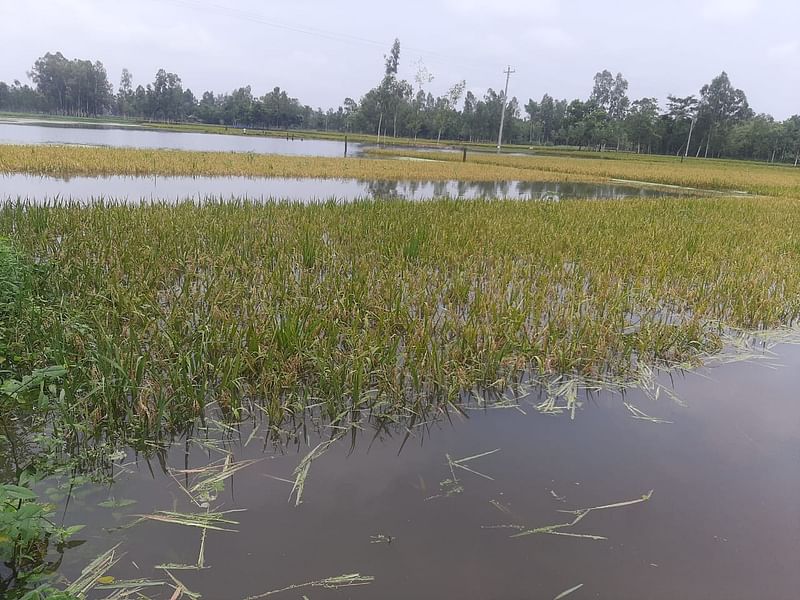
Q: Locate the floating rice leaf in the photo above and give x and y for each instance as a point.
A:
(181, 589)
(301, 471)
(452, 486)
(207, 520)
(643, 498)
(501, 507)
(177, 567)
(109, 583)
(566, 593)
(580, 514)
(642, 416)
(94, 571)
(381, 539)
(116, 503)
(217, 474)
(340, 581)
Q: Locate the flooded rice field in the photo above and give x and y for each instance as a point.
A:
(685, 487)
(115, 136)
(134, 189)
(463, 506)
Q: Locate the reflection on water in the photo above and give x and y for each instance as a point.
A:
(723, 521)
(132, 137)
(132, 189)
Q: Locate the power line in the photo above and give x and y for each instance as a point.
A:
(255, 17)
(260, 19)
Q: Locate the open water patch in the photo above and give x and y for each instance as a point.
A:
(476, 504)
(116, 136)
(136, 189)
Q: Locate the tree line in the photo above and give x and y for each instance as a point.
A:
(715, 122)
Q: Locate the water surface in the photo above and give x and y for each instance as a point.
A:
(132, 189)
(723, 521)
(132, 137)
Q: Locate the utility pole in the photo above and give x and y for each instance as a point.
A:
(508, 73)
(689, 141)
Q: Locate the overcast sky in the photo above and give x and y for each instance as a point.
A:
(323, 51)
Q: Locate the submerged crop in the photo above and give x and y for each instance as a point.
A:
(66, 161)
(387, 165)
(160, 311)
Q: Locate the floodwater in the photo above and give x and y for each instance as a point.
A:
(134, 189)
(723, 520)
(133, 137)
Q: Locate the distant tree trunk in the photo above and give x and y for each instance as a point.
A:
(772, 160)
(394, 127)
(797, 158)
(380, 122)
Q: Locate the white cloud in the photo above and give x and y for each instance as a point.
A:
(497, 46)
(785, 51)
(552, 38)
(504, 8)
(554, 45)
(730, 9)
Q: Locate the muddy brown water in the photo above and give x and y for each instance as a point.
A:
(135, 189)
(723, 521)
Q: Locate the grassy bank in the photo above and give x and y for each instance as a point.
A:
(161, 311)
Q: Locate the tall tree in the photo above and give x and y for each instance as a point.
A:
(642, 123)
(534, 120)
(447, 105)
(77, 87)
(792, 133)
(390, 93)
(681, 118)
(610, 94)
(393, 59)
(125, 94)
(166, 97)
(723, 105)
(546, 117)
(422, 78)
(603, 87)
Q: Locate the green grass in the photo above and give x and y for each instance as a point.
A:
(164, 312)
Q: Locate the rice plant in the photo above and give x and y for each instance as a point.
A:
(386, 308)
(720, 175)
(723, 175)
